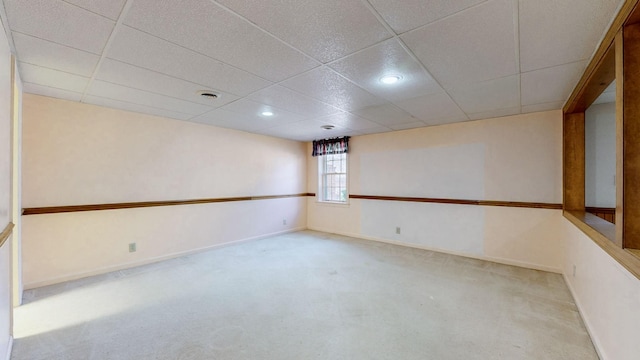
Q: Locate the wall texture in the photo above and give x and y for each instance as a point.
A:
(5, 193)
(77, 154)
(515, 158)
(607, 295)
(600, 155)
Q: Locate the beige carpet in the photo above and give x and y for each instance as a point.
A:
(306, 295)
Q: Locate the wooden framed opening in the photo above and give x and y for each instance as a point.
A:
(617, 59)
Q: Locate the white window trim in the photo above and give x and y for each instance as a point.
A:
(319, 199)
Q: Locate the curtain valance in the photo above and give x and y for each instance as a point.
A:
(331, 146)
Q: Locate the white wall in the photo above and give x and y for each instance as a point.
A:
(600, 155)
(516, 158)
(607, 295)
(75, 154)
(5, 192)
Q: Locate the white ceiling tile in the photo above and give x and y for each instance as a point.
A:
(44, 53)
(135, 77)
(110, 8)
(252, 109)
(556, 32)
(413, 125)
(306, 131)
(387, 115)
(375, 130)
(50, 92)
(231, 120)
(123, 105)
(137, 48)
(488, 95)
(205, 27)
(366, 67)
(433, 109)
(134, 96)
(326, 30)
(52, 78)
(495, 113)
(472, 46)
(325, 85)
(292, 101)
(550, 84)
(542, 107)
(60, 22)
(349, 121)
(404, 15)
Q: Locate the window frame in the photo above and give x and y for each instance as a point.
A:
(322, 175)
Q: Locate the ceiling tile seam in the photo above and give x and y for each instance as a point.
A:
(254, 25)
(7, 28)
(51, 87)
(516, 29)
(554, 66)
(199, 53)
(138, 104)
(160, 94)
(52, 69)
(446, 17)
(204, 87)
(413, 55)
(112, 36)
(85, 9)
(54, 42)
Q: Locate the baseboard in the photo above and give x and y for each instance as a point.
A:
(9, 348)
(585, 320)
(108, 269)
(450, 252)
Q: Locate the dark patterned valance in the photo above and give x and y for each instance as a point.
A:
(331, 146)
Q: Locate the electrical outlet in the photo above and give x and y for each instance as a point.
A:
(397, 229)
(284, 221)
(574, 270)
(132, 247)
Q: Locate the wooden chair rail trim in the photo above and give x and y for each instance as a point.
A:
(144, 204)
(4, 235)
(603, 234)
(530, 205)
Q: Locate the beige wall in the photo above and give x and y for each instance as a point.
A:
(5, 193)
(607, 295)
(76, 154)
(516, 158)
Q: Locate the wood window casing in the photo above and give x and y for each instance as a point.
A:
(617, 58)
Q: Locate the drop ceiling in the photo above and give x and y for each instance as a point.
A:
(309, 62)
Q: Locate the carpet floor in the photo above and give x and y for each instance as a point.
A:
(306, 295)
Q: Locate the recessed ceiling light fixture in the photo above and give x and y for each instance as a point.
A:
(390, 79)
(327, 127)
(267, 113)
(209, 95)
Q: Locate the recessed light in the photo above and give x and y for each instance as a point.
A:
(390, 79)
(327, 127)
(267, 113)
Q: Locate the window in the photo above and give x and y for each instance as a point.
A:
(332, 170)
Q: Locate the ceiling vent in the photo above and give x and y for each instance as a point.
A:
(209, 95)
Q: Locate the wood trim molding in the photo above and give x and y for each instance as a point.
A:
(625, 13)
(603, 234)
(4, 235)
(144, 204)
(530, 205)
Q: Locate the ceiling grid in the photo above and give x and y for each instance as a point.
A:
(308, 62)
